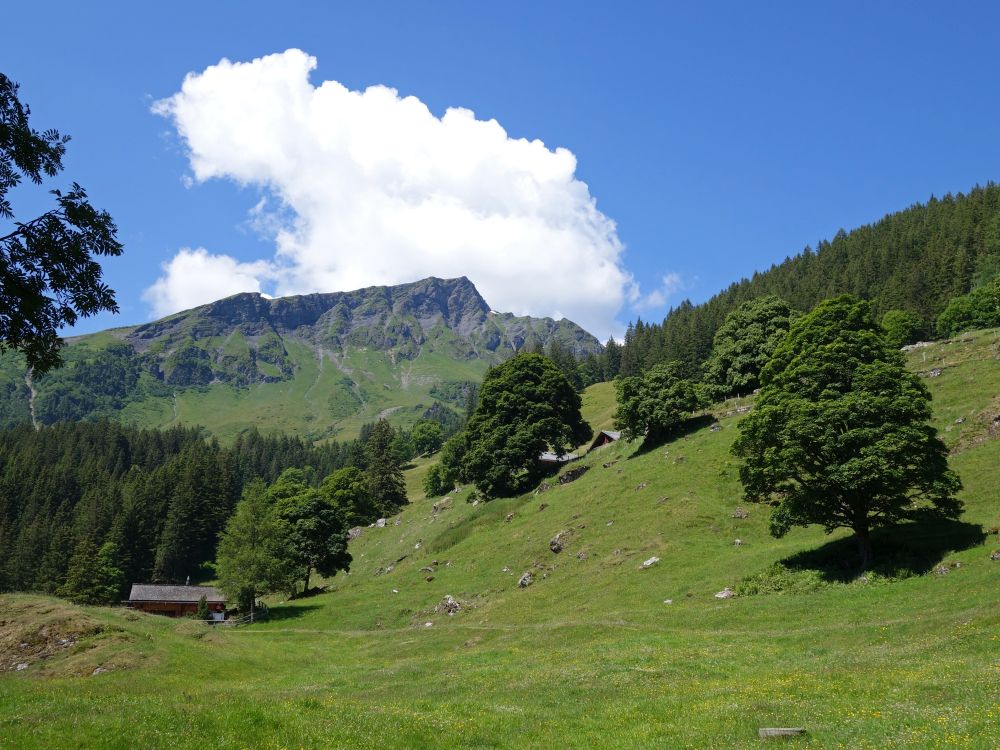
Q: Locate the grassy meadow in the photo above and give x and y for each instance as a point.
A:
(599, 651)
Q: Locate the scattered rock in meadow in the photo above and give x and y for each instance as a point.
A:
(448, 606)
(935, 373)
(427, 569)
(737, 542)
(960, 420)
(380, 523)
(581, 555)
(995, 555)
(543, 487)
(573, 474)
(395, 591)
(609, 464)
(941, 570)
(508, 518)
(650, 562)
(715, 427)
(429, 579)
(558, 542)
(642, 486)
(668, 601)
(379, 571)
(99, 670)
(21, 667)
(610, 523)
(543, 506)
(417, 545)
(741, 514)
(726, 593)
(526, 580)
(662, 501)
(354, 533)
(397, 522)
(428, 624)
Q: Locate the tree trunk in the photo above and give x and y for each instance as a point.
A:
(308, 573)
(864, 547)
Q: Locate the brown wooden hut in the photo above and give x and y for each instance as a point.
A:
(175, 601)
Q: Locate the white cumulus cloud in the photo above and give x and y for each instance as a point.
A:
(670, 284)
(194, 277)
(373, 188)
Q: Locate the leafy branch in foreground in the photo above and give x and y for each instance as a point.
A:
(48, 275)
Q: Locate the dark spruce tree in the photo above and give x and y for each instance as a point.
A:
(839, 434)
(386, 487)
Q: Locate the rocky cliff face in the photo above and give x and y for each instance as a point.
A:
(306, 364)
(447, 315)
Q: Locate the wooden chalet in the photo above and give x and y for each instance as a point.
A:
(176, 601)
(604, 437)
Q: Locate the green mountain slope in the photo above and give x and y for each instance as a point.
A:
(318, 365)
(590, 654)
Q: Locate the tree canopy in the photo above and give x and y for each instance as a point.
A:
(48, 275)
(253, 550)
(902, 327)
(980, 308)
(526, 406)
(839, 434)
(314, 530)
(745, 343)
(649, 405)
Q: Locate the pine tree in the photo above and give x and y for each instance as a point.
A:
(386, 486)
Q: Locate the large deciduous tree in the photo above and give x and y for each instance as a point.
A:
(253, 558)
(526, 406)
(839, 435)
(651, 404)
(745, 343)
(48, 275)
(315, 531)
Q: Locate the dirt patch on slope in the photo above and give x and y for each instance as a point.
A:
(58, 639)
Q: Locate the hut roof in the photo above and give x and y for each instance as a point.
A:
(600, 440)
(550, 457)
(148, 592)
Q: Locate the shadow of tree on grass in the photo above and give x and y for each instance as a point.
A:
(900, 551)
(685, 428)
(290, 611)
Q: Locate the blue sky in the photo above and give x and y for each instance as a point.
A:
(718, 137)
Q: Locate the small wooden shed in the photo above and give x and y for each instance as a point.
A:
(604, 437)
(176, 601)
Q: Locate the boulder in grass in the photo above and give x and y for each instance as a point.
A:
(726, 593)
(526, 580)
(448, 606)
(650, 562)
(558, 543)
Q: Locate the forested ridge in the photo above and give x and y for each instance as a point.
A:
(915, 260)
(153, 501)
